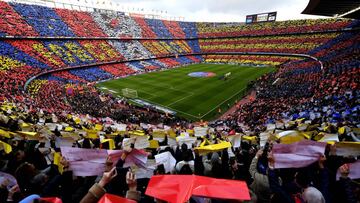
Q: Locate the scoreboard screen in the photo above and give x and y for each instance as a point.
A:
(262, 17)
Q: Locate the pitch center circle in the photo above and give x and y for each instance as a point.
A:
(202, 74)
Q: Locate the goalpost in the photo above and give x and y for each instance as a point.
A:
(129, 93)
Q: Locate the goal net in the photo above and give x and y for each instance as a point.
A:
(129, 93)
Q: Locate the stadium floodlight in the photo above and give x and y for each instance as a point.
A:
(129, 93)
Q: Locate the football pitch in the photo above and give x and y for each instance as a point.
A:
(193, 98)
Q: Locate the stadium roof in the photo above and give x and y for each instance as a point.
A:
(340, 8)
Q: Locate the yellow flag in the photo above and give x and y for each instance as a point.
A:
(154, 144)
(32, 134)
(92, 134)
(204, 143)
(113, 135)
(326, 128)
(7, 148)
(213, 147)
(249, 138)
(158, 133)
(137, 133)
(290, 136)
(172, 134)
(57, 158)
(299, 120)
(7, 107)
(77, 120)
(98, 127)
(309, 134)
(24, 125)
(190, 131)
(69, 129)
(341, 130)
(111, 143)
(5, 133)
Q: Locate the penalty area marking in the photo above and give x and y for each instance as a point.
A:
(222, 103)
(170, 108)
(198, 117)
(191, 94)
(109, 90)
(113, 91)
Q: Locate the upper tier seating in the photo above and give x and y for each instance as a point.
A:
(104, 55)
(270, 28)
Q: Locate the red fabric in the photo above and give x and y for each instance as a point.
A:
(221, 188)
(179, 188)
(232, 132)
(51, 199)
(108, 198)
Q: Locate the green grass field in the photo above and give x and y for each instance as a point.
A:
(192, 98)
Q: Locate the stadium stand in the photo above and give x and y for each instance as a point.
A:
(146, 30)
(81, 23)
(44, 20)
(12, 23)
(246, 59)
(302, 79)
(159, 28)
(175, 29)
(190, 29)
(62, 135)
(280, 44)
(277, 28)
(117, 24)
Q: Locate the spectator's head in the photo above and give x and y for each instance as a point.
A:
(19, 155)
(184, 147)
(187, 155)
(24, 173)
(215, 158)
(302, 178)
(233, 164)
(185, 170)
(160, 170)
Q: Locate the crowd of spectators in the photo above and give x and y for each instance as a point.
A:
(22, 59)
(299, 82)
(299, 104)
(82, 23)
(54, 54)
(11, 22)
(270, 28)
(32, 141)
(296, 43)
(249, 59)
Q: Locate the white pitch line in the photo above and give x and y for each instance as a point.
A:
(165, 86)
(113, 91)
(171, 108)
(191, 94)
(222, 103)
(152, 95)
